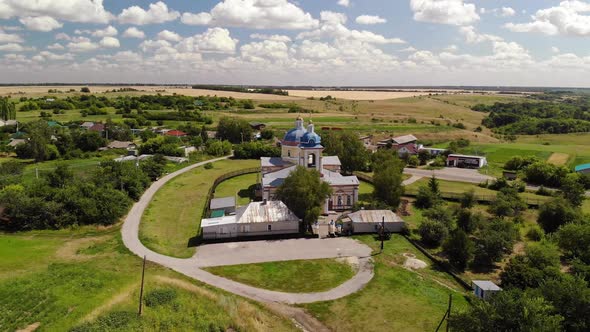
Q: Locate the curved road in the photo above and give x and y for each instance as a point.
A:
(190, 267)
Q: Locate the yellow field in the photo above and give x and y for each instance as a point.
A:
(558, 159)
(355, 95)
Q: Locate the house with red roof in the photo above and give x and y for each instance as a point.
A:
(175, 133)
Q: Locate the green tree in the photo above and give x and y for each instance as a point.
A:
(347, 146)
(570, 297)
(432, 233)
(494, 240)
(468, 199)
(304, 192)
(507, 204)
(509, 310)
(60, 177)
(539, 263)
(557, 212)
(573, 190)
(7, 109)
(434, 186)
(234, 130)
(387, 179)
(459, 249)
(574, 240)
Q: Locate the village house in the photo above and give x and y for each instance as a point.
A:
(404, 145)
(255, 219)
(301, 147)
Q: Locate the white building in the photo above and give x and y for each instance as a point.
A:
(464, 161)
(369, 221)
(255, 219)
(484, 289)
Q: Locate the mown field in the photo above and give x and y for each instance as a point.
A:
(86, 280)
(242, 187)
(397, 299)
(299, 276)
(173, 217)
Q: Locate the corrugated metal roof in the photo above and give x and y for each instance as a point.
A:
(374, 216)
(271, 211)
(331, 160)
(405, 139)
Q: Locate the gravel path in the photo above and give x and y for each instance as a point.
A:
(191, 267)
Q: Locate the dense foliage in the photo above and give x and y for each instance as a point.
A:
(255, 150)
(387, 178)
(265, 90)
(234, 130)
(532, 118)
(7, 109)
(350, 150)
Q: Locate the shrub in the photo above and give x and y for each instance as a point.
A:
(208, 166)
(433, 233)
(160, 297)
(535, 233)
(542, 191)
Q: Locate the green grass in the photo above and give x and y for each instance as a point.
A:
(396, 299)
(173, 217)
(242, 187)
(299, 276)
(62, 279)
(365, 192)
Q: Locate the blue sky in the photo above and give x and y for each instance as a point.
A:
(304, 42)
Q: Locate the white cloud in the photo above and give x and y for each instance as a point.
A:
(169, 36)
(214, 40)
(109, 31)
(46, 55)
(454, 12)
(110, 42)
(254, 14)
(408, 49)
(555, 49)
(344, 3)
(56, 46)
(10, 37)
(40, 23)
(270, 49)
(134, 32)
(82, 44)
(473, 37)
(451, 48)
(507, 12)
(83, 11)
(370, 19)
(279, 38)
(565, 19)
(14, 47)
(62, 36)
(157, 13)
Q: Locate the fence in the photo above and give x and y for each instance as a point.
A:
(220, 179)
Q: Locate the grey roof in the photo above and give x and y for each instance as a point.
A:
(338, 179)
(271, 211)
(374, 216)
(87, 124)
(275, 179)
(404, 139)
(331, 160)
(222, 203)
(120, 144)
(466, 156)
(486, 285)
(273, 161)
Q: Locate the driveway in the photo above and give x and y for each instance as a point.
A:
(234, 253)
(451, 174)
(190, 267)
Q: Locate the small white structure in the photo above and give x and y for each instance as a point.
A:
(255, 219)
(465, 161)
(16, 141)
(483, 289)
(8, 123)
(369, 221)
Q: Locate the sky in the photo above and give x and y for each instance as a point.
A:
(302, 42)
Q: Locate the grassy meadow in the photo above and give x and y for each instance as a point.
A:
(397, 299)
(173, 217)
(86, 280)
(299, 276)
(241, 187)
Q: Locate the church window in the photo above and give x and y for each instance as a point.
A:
(311, 160)
(348, 200)
(269, 228)
(339, 200)
(288, 153)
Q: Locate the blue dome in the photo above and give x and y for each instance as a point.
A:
(311, 139)
(294, 135)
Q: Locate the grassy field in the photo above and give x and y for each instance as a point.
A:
(63, 279)
(299, 276)
(173, 217)
(240, 187)
(397, 299)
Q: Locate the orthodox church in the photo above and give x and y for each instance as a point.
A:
(303, 147)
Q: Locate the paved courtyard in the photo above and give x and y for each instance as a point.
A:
(233, 253)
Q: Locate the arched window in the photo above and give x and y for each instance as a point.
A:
(348, 200)
(288, 153)
(311, 160)
(339, 200)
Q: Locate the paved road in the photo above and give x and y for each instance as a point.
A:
(190, 267)
(451, 174)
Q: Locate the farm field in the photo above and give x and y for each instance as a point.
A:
(57, 280)
(240, 187)
(299, 276)
(173, 217)
(397, 299)
(356, 95)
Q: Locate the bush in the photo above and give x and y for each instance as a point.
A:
(467, 199)
(432, 233)
(208, 166)
(255, 150)
(535, 233)
(160, 297)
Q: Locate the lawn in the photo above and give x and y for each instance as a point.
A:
(396, 299)
(299, 276)
(62, 279)
(173, 217)
(242, 187)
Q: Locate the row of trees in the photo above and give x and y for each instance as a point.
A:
(7, 109)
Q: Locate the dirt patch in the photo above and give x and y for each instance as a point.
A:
(30, 328)
(122, 296)
(69, 251)
(352, 261)
(558, 159)
(186, 286)
(413, 263)
(302, 319)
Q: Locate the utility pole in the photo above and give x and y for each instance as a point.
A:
(141, 289)
(37, 172)
(449, 310)
(382, 232)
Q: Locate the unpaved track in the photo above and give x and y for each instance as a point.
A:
(189, 267)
